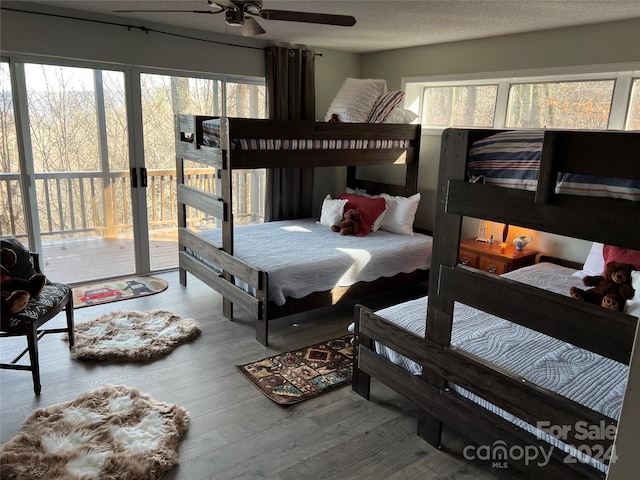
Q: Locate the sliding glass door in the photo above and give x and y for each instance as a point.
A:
(88, 163)
(80, 157)
(163, 96)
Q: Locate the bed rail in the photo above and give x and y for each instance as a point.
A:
(196, 254)
(504, 389)
(608, 333)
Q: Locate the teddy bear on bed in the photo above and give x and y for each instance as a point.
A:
(350, 223)
(16, 292)
(610, 290)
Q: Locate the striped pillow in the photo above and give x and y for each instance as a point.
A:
(384, 105)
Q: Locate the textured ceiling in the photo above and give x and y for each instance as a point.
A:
(381, 24)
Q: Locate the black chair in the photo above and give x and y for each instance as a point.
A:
(54, 298)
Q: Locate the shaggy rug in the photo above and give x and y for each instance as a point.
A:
(132, 336)
(117, 289)
(296, 376)
(111, 433)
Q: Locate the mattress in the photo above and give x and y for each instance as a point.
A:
(211, 138)
(585, 377)
(302, 256)
(512, 159)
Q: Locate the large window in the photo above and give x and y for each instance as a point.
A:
(96, 167)
(582, 105)
(633, 117)
(608, 100)
(163, 96)
(464, 105)
(12, 221)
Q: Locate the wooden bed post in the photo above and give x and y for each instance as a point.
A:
(227, 221)
(445, 252)
(182, 209)
(361, 383)
(262, 322)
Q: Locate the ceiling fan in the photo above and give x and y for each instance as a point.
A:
(236, 11)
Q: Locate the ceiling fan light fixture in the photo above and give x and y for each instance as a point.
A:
(234, 17)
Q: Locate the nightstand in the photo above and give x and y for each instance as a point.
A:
(492, 258)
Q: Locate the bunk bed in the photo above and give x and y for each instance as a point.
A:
(228, 144)
(455, 353)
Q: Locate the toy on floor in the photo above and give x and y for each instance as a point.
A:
(15, 291)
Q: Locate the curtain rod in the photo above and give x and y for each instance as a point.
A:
(130, 27)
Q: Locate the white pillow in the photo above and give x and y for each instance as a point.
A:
(378, 221)
(332, 210)
(355, 99)
(400, 115)
(401, 213)
(632, 307)
(594, 264)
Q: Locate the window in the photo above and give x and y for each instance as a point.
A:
(12, 221)
(465, 105)
(633, 115)
(582, 105)
(575, 101)
(78, 178)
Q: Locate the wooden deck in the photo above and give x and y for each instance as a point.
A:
(74, 261)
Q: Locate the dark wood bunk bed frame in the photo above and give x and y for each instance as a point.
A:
(588, 326)
(189, 146)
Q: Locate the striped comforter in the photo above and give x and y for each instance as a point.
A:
(211, 138)
(512, 159)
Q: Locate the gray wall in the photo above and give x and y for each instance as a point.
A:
(88, 41)
(82, 40)
(609, 43)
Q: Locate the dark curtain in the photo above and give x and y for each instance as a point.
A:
(291, 92)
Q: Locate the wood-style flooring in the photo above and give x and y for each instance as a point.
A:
(235, 431)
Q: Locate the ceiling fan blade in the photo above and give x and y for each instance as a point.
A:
(307, 17)
(251, 28)
(170, 11)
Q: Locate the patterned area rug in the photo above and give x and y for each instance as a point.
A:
(111, 433)
(132, 335)
(296, 376)
(115, 290)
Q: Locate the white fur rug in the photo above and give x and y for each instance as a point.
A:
(132, 336)
(111, 433)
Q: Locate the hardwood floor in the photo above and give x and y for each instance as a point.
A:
(235, 431)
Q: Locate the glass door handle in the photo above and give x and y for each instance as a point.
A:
(143, 180)
(134, 178)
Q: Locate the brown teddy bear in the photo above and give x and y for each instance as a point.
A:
(16, 292)
(350, 223)
(610, 290)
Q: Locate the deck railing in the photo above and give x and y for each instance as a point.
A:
(96, 203)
